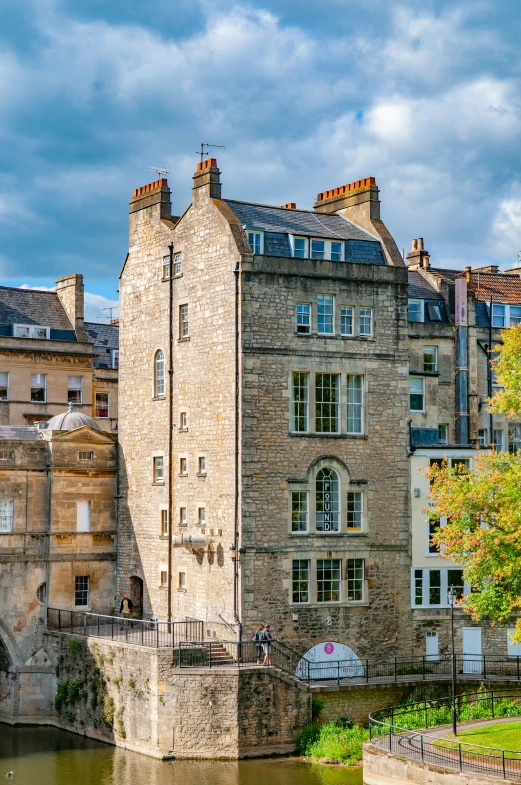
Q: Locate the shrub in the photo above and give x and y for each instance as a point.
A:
(74, 646)
(331, 743)
(107, 710)
(317, 707)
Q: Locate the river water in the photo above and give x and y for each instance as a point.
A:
(48, 756)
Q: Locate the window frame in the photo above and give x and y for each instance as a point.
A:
(502, 442)
(114, 359)
(328, 501)
(183, 466)
(86, 455)
(482, 437)
(297, 512)
(39, 387)
(422, 380)
(298, 567)
(158, 469)
(201, 515)
(184, 322)
(7, 374)
(71, 389)
(163, 521)
(344, 316)
(371, 328)
(183, 516)
(421, 304)
(325, 315)
(178, 264)
(96, 414)
(159, 378)
(359, 404)
(354, 564)
(355, 529)
(166, 268)
(32, 328)
(446, 439)
(335, 566)
(336, 404)
(300, 326)
(201, 465)
(83, 516)
(85, 590)
(6, 517)
(420, 580)
(434, 350)
(183, 421)
(300, 407)
(257, 235)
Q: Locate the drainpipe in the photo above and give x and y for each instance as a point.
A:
(489, 374)
(462, 372)
(170, 423)
(237, 444)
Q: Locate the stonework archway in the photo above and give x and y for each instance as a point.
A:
(136, 595)
(329, 660)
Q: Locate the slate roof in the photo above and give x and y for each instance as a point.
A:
(21, 432)
(104, 335)
(32, 306)
(301, 222)
(502, 288)
(421, 289)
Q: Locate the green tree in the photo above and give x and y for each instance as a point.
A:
(483, 508)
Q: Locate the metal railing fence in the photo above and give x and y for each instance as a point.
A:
(395, 729)
(140, 632)
(215, 654)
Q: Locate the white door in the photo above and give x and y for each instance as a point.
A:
(472, 650)
(431, 646)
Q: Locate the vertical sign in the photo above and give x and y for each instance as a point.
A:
(327, 507)
(461, 302)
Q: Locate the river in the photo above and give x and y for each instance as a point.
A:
(48, 756)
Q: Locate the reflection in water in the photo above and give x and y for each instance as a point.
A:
(47, 756)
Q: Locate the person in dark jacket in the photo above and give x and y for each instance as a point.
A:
(256, 638)
(125, 609)
(266, 639)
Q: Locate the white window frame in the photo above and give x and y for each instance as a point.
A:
(444, 586)
(357, 579)
(370, 333)
(336, 403)
(502, 442)
(446, 439)
(101, 416)
(434, 350)
(422, 379)
(308, 251)
(340, 567)
(6, 373)
(344, 315)
(332, 314)
(184, 322)
(201, 465)
(361, 511)
(331, 502)
(482, 437)
(31, 329)
(163, 571)
(304, 252)
(80, 577)
(159, 380)
(296, 405)
(256, 241)
(183, 421)
(300, 327)
(181, 580)
(39, 386)
(83, 516)
(201, 515)
(178, 264)
(72, 388)
(183, 516)
(183, 466)
(6, 516)
(7, 455)
(114, 358)
(360, 405)
(414, 300)
(166, 268)
(87, 455)
(158, 470)
(163, 521)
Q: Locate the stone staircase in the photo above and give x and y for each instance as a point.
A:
(220, 656)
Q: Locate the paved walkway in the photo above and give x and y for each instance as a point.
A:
(421, 745)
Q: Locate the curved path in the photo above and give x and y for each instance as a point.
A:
(421, 745)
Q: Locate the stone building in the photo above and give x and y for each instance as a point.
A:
(50, 357)
(455, 324)
(58, 526)
(264, 415)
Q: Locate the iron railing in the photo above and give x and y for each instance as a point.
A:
(140, 632)
(219, 654)
(393, 729)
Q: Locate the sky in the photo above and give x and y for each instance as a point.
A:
(305, 95)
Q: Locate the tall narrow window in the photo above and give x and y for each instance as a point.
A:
(299, 511)
(81, 591)
(498, 315)
(366, 322)
(114, 354)
(328, 580)
(355, 580)
(415, 311)
(455, 579)
(300, 580)
(202, 465)
(327, 501)
(178, 263)
(163, 579)
(159, 476)
(4, 386)
(430, 359)
(443, 433)
(299, 247)
(499, 440)
(416, 393)
(182, 466)
(418, 587)
(325, 314)
(182, 516)
(102, 405)
(83, 516)
(434, 527)
(166, 267)
(355, 404)
(318, 249)
(75, 392)
(514, 439)
(201, 516)
(38, 387)
(6, 516)
(355, 507)
(300, 402)
(482, 437)
(434, 587)
(327, 398)
(183, 321)
(336, 251)
(346, 320)
(164, 523)
(159, 375)
(183, 421)
(303, 313)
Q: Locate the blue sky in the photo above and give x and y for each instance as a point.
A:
(305, 94)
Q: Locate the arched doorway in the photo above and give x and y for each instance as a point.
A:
(136, 595)
(329, 660)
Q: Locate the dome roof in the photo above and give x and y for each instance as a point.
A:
(70, 420)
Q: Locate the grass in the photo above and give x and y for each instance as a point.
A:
(505, 736)
(331, 743)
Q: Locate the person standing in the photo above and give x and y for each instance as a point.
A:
(266, 638)
(257, 639)
(126, 607)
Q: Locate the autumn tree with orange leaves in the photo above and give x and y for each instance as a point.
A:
(483, 508)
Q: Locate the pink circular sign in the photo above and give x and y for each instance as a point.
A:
(329, 648)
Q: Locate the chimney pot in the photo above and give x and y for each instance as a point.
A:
(420, 244)
(414, 246)
(289, 206)
(468, 274)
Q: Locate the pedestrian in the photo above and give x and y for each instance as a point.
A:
(256, 638)
(266, 639)
(126, 607)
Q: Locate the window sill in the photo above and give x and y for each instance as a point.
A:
(202, 475)
(424, 373)
(182, 430)
(102, 417)
(37, 401)
(159, 397)
(183, 474)
(181, 591)
(160, 484)
(183, 340)
(328, 435)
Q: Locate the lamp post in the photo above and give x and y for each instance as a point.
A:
(452, 601)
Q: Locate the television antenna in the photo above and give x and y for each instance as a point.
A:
(112, 308)
(161, 170)
(205, 149)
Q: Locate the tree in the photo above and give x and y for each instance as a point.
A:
(483, 508)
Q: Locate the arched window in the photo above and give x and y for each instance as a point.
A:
(159, 375)
(327, 501)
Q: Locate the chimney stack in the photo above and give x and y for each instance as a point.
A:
(289, 206)
(468, 274)
(70, 292)
(418, 256)
(207, 179)
(156, 193)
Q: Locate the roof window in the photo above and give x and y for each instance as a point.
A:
(314, 248)
(30, 331)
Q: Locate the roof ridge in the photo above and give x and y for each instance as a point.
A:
(20, 289)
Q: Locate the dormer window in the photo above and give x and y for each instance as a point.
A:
(30, 331)
(317, 249)
(255, 241)
(300, 247)
(505, 315)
